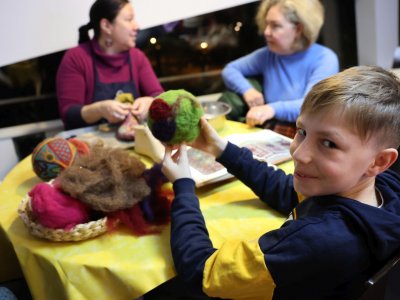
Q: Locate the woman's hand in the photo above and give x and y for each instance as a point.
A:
(111, 110)
(114, 111)
(176, 166)
(253, 98)
(259, 114)
(208, 140)
(140, 107)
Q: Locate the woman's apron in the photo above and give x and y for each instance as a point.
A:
(104, 91)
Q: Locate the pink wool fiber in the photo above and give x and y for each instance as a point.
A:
(54, 209)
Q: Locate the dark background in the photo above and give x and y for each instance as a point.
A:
(27, 89)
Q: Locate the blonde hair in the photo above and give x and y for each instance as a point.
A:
(307, 13)
(366, 97)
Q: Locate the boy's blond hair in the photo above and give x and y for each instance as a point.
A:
(368, 97)
(308, 13)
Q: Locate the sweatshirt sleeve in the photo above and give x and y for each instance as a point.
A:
(190, 243)
(272, 186)
(236, 270)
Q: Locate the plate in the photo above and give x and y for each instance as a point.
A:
(104, 133)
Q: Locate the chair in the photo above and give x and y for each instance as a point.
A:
(384, 284)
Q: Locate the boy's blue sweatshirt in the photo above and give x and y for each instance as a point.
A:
(326, 249)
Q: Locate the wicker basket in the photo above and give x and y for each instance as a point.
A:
(79, 232)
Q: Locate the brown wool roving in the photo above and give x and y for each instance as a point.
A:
(107, 179)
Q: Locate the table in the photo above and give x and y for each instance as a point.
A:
(119, 265)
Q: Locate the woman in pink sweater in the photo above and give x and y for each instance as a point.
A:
(91, 74)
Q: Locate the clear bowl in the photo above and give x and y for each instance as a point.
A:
(215, 112)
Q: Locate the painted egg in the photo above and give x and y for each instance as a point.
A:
(51, 156)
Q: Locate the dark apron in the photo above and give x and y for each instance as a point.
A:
(104, 91)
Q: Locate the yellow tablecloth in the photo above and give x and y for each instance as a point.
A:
(119, 265)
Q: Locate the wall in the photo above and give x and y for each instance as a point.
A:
(377, 31)
(30, 29)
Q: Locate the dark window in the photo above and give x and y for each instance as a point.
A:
(186, 54)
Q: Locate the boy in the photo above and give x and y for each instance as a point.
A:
(349, 221)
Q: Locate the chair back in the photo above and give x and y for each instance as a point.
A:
(384, 284)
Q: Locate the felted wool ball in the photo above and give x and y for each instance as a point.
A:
(174, 117)
(51, 156)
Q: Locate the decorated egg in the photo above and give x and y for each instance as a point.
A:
(51, 156)
(174, 117)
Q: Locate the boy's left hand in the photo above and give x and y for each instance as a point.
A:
(176, 166)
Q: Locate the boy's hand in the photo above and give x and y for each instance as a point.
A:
(176, 166)
(208, 140)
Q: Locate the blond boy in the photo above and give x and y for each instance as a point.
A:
(347, 226)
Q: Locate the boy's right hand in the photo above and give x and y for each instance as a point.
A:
(176, 166)
(208, 140)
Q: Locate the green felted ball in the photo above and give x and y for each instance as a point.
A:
(174, 117)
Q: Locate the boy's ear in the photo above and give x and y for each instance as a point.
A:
(383, 160)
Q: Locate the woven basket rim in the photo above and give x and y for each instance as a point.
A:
(79, 232)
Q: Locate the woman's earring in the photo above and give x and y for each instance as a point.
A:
(109, 42)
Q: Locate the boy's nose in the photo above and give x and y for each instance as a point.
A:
(302, 153)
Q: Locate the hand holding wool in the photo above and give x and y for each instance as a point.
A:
(176, 166)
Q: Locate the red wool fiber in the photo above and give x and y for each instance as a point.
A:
(134, 219)
(81, 146)
(160, 110)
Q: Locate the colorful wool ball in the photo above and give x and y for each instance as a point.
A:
(174, 117)
(52, 156)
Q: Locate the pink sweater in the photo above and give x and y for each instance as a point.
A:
(75, 76)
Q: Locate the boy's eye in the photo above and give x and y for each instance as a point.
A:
(329, 144)
(301, 131)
